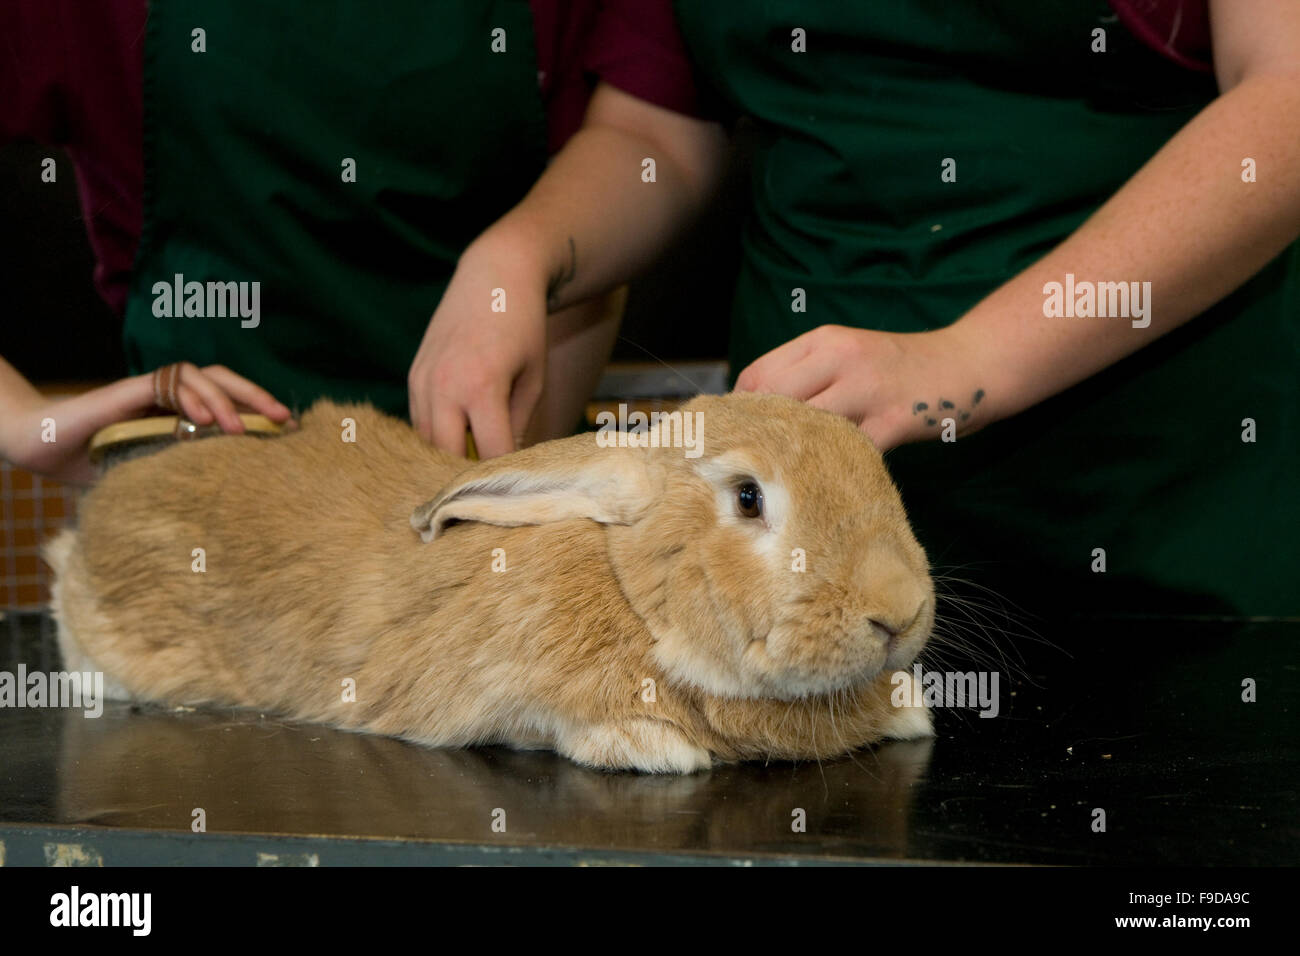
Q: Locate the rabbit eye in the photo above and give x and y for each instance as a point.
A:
(750, 499)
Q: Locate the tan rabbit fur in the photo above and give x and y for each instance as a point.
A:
(611, 603)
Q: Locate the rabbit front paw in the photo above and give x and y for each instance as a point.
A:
(650, 746)
(909, 718)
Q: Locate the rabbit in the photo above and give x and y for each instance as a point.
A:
(630, 605)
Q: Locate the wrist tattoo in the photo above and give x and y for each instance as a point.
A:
(560, 281)
(945, 408)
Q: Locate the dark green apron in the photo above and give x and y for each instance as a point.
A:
(245, 146)
(1144, 460)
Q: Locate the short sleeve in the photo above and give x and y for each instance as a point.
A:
(1176, 29)
(635, 45)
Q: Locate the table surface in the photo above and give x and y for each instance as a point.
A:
(1142, 720)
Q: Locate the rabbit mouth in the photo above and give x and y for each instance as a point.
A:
(788, 663)
(787, 681)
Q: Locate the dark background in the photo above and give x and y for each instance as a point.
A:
(57, 329)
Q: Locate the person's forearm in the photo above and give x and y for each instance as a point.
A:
(592, 220)
(1186, 223)
(16, 395)
(14, 389)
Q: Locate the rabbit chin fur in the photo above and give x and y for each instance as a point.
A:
(610, 603)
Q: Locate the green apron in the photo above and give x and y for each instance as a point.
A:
(246, 147)
(1145, 460)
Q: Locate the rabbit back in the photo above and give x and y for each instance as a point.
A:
(231, 560)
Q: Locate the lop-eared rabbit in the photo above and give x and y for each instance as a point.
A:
(633, 605)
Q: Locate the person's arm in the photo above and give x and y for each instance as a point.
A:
(1186, 222)
(589, 224)
(205, 396)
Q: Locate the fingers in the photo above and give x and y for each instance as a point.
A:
(203, 396)
(443, 421)
(247, 393)
(802, 378)
(210, 394)
(758, 375)
(419, 392)
(416, 411)
(444, 406)
(446, 424)
(524, 401)
(192, 406)
(470, 359)
(877, 423)
(215, 401)
(493, 436)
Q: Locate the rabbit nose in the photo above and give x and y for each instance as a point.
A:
(884, 631)
(888, 626)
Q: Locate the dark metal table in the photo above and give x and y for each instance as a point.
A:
(1144, 721)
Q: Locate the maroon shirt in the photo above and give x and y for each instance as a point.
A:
(71, 74)
(1177, 29)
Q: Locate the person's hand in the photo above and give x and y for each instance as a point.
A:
(478, 368)
(204, 396)
(896, 387)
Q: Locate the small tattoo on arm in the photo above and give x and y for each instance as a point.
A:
(960, 414)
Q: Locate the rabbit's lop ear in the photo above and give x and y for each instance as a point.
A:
(554, 481)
